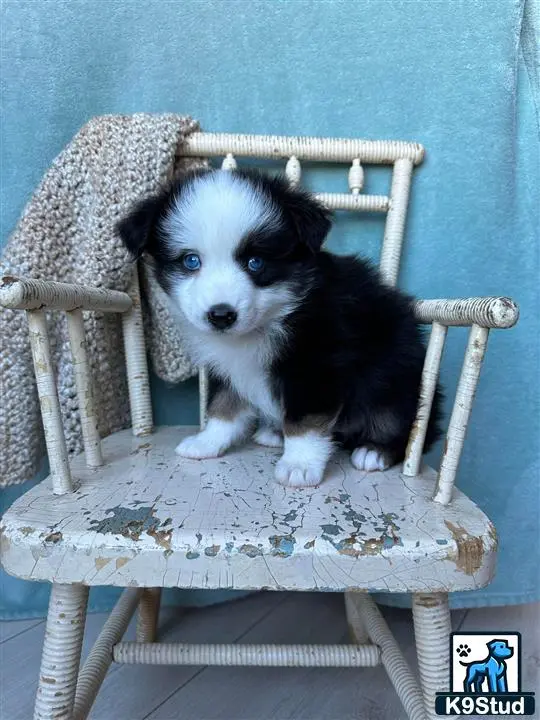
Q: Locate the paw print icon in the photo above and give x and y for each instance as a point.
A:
(463, 651)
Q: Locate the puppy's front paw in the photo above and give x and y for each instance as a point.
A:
(368, 459)
(295, 473)
(268, 437)
(200, 446)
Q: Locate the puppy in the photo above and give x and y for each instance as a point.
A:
(304, 348)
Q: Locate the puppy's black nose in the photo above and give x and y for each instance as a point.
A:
(222, 316)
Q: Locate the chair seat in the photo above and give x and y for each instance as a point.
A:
(150, 518)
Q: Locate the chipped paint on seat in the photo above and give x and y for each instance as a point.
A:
(148, 518)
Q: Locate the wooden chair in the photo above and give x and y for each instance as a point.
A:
(130, 513)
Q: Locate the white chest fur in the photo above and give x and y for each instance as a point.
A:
(244, 363)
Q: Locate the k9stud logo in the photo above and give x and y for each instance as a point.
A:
(485, 676)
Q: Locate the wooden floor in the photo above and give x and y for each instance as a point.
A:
(177, 693)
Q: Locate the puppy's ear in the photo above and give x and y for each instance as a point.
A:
(136, 230)
(311, 220)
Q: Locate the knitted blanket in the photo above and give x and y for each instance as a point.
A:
(66, 233)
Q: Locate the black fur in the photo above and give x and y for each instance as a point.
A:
(356, 353)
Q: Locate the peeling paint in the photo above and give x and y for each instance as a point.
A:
(355, 544)
(53, 537)
(355, 518)
(250, 550)
(391, 541)
(162, 537)
(427, 601)
(129, 522)
(121, 561)
(372, 546)
(470, 549)
(192, 555)
(100, 562)
(347, 547)
(282, 545)
(27, 530)
(145, 448)
(309, 545)
(211, 550)
(331, 529)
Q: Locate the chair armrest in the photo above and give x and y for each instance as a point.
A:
(28, 294)
(486, 312)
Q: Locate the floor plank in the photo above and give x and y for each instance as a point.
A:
(13, 628)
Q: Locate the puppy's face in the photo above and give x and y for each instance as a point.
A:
(232, 250)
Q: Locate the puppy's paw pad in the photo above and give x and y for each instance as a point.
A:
(198, 447)
(295, 474)
(368, 460)
(463, 650)
(268, 437)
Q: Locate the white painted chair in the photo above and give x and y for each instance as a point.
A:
(130, 513)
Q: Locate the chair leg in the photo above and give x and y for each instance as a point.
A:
(432, 628)
(356, 625)
(61, 656)
(396, 666)
(147, 618)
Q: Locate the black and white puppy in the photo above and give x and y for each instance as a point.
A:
(305, 349)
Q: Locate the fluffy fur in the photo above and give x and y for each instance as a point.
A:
(304, 347)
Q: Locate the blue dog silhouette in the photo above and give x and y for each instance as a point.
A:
(492, 669)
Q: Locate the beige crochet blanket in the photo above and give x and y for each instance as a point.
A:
(66, 233)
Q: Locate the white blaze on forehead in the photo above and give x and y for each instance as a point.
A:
(216, 212)
(211, 217)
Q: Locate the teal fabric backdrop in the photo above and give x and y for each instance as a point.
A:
(460, 76)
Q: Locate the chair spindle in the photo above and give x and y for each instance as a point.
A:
(50, 405)
(461, 412)
(83, 381)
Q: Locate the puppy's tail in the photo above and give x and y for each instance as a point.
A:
(464, 664)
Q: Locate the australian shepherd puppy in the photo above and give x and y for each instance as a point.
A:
(305, 349)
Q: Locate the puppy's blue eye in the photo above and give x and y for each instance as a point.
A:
(191, 261)
(255, 264)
